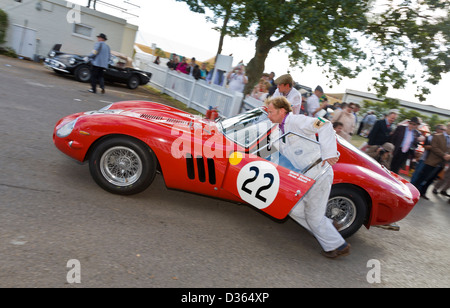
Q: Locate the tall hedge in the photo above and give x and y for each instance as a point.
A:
(3, 25)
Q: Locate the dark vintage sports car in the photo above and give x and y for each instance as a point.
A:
(236, 159)
(120, 68)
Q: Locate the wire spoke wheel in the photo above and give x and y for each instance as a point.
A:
(342, 210)
(348, 208)
(121, 166)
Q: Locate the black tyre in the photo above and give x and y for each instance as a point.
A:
(83, 73)
(123, 165)
(348, 208)
(133, 82)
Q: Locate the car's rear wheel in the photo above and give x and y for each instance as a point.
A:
(133, 82)
(347, 207)
(83, 73)
(122, 165)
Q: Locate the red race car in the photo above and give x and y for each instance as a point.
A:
(236, 159)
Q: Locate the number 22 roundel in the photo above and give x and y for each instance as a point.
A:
(258, 183)
(274, 190)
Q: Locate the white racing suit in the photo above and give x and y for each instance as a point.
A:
(310, 210)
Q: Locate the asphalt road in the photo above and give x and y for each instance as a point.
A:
(51, 212)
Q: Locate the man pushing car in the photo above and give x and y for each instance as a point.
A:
(310, 211)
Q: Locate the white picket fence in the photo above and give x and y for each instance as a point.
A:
(196, 94)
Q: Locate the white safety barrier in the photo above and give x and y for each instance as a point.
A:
(196, 94)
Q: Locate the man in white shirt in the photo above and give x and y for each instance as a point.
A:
(237, 79)
(310, 211)
(313, 102)
(285, 88)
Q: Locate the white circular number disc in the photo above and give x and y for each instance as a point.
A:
(258, 183)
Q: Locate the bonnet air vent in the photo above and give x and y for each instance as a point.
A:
(163, 119)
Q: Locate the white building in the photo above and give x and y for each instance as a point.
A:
(353, 96)
(35, 26)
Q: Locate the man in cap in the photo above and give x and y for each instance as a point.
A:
(405, 140)
(382, 154)
(285, 87)
(99, 58)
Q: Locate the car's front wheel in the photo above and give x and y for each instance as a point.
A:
(348, 208)
(83, 73)
(122, 165)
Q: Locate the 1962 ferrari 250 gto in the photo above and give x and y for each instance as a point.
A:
(235, 159)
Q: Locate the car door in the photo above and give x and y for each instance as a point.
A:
(259, 170)
(277, 174)
(269, 187)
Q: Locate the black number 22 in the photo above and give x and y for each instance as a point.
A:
(261, 189)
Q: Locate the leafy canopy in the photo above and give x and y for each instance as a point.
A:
(344, 37)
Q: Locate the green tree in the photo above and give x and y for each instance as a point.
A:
(3, 25)
(435, 120)
(345, 36)
(159, 52)
(380, 108)
(408, 114)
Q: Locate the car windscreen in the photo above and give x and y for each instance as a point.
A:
(245, 129)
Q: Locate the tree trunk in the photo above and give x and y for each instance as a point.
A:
(255, 67)
(223, 31)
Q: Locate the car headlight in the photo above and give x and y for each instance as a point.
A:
(72, 61)
(66, 129)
